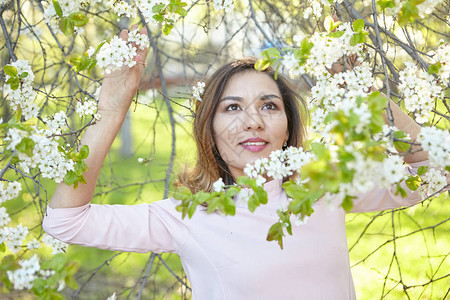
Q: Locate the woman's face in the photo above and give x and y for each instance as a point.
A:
(250, 121)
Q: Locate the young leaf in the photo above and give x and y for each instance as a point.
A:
(276, 234)
(58, 8)
(347, 203)
(413, 182)
(11, 71)
(358, 25)
(401, 146)
(84, 152)
(66, 26)
(13, 83)
(422, 170)
(78, 19)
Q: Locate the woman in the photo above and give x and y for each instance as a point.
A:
(244, 115)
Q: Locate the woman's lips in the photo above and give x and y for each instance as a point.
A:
(254, 144)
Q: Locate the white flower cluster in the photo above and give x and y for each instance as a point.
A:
(419, 90)
(198, 90)
(57, 246)
(24, 96)
(10, 191)
(88, 107)
(139, 39)
(146, 8)
(324, 53)
(4, 217)
(115, 54)
(68, 7)
(340, 91)
(442, 56)
(55, 123)
(13, 237)
(122, 8)
(433, 182)
(23, 278)
(281, 163)
(227, 5)
(219, 185)
(46, 155)
(314, 7)
(437, 143)
(369, 173)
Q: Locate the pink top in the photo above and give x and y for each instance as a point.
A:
(228, 257)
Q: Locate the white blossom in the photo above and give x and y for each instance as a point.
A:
(10, 191)
(115, 54)
(419, 90)
(57, 246)
(198, 90)
(437, 143)
(88, 107)
(433, 181)
(4, 217)
(219, 185)
(23, 278)
(226, 5)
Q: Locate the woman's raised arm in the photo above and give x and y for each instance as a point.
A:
(117, 92)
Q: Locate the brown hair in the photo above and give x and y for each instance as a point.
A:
(210, 166)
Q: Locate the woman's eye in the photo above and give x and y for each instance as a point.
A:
(269, 105)
(232, 107)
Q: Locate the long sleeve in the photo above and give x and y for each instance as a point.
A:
(379, 198)
(137, 228)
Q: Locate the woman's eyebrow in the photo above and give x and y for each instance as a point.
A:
(269, 96)
(263, 97)
(237, 98)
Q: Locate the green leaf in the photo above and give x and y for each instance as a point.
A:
(399, 134)
(78, 19)
(66, 26)
(401, 191)
(422, 170)
(10, 70)
(26, 146)
(167, 28)
(13, 82)
(72, 268)
(58, 8)
(229, 206)
(386, 4)
(233, 191)
(157, 8)
(56, 263)
(328, 23)
(357, 38)
(23, 75)
(71, 282)
(409, 12)
(434, 68)
(276, 234)
(336, 34)
(70, 178)
(84, 152)
(358, 25)
(347, 203)
(2, 247)
(401, 146)
(39, 285)
(413, 182)
(447, 168)
(244, 180)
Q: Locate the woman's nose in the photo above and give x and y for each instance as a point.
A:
(253, 119)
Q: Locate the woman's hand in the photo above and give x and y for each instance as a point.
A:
(120, 86)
